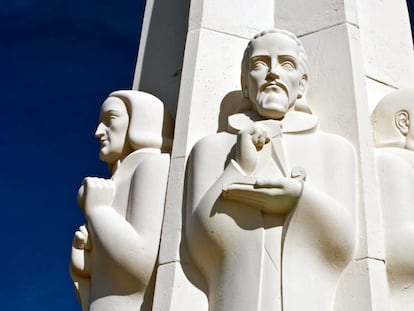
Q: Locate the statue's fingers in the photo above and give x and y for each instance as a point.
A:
(262, 140)
(258, 140)
(79, 240)
(264, 182)
(79, 236)
(84, 230)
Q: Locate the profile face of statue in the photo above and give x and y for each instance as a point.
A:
(112, 130)
(275, 79)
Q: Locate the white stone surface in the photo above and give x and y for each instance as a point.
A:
(335, 81)
(254, 193)
(386, 41)
(394, 137)
(209, 55)
(375, 92)
(176, 292)
(172, 224)
(304, 17)
(114, 256)
(364, 287)
(242, 18)
(160, 55)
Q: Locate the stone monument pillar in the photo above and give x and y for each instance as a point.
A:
(190, 58)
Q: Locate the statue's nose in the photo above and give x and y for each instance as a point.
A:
(272, 74)
(99, 130)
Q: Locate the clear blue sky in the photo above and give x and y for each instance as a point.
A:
(58, 61)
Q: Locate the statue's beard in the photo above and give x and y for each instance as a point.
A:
(273, 104)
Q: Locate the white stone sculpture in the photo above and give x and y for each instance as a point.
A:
(392, 121)
(114, 256)
(271, 204)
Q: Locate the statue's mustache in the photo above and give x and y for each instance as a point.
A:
(273, 83)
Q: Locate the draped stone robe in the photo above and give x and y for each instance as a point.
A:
(258, 261)
(125, 236)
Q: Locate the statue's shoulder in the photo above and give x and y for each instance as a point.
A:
(216, 141)
(394, 156)
(153, 163)
(212, 151)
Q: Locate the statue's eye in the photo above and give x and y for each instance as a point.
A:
(108, 118)
(259, 65)
(289, 65)
(112, 115)
(259, 62)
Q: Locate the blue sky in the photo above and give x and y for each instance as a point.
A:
(58, 61)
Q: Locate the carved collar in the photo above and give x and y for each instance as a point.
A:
(293, 122)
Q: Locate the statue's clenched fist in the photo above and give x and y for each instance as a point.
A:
(95, 192)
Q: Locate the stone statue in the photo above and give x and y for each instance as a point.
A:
(392, 122)
(271, 204)
(114, 256)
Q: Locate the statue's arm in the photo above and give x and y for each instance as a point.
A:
(270, 195)
(251, 184)
(146, 206)
(326, 210)
(133, 241)
(212, 172)
(82, 288)
(396, 177)
(321, 227)
(207, 169)
(80, 267)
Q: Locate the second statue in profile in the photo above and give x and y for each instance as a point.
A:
(114, 257)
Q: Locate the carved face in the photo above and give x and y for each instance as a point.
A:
(112, 130)
(275, 80)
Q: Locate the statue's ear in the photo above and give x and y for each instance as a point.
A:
(303, 85)
(402, 121)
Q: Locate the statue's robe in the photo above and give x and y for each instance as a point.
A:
(256, 261)
(126, 235)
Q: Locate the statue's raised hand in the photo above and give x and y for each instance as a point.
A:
(95, 192)
(250, 142)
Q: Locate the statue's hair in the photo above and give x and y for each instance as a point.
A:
(303, 60)
(150, 124)
(385, 130)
